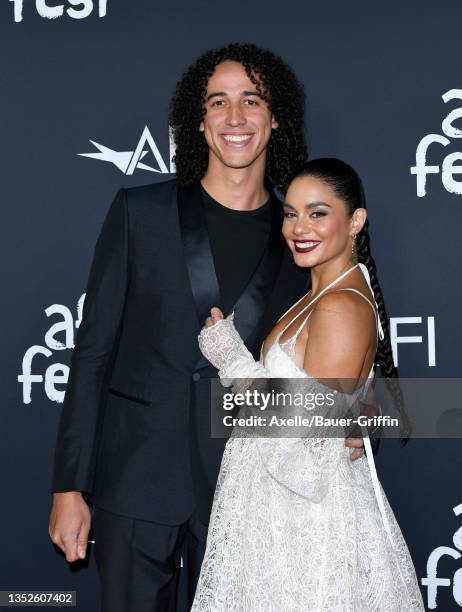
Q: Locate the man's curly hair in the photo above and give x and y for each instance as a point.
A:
(277, 85)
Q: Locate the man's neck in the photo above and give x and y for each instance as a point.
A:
(239, 189)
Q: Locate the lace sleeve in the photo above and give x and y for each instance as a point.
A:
(305, 458)
(305, 466)
(222, 345)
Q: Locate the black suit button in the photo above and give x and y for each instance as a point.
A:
(196, 376)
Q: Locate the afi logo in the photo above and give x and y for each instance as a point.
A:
(431, 581)
(397, 338)
(128, 161)
(54, 373)
(449, 167)
(85, 8)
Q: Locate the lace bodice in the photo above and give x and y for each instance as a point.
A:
(289, 345)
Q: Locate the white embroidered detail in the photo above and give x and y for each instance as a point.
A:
(295, 525)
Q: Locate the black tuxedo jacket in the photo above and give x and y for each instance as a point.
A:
(134, 434)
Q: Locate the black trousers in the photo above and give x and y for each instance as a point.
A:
(139, 562)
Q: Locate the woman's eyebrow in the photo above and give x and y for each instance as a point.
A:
(313, 204)
(310, 205)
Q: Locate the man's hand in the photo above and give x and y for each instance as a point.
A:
(369, 408)
(358, 445)
(70, 522)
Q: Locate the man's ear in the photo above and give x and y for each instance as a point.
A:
(201, 127)
(274, 123)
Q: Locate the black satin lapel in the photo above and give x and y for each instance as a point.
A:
(197, 252)
(251, 305)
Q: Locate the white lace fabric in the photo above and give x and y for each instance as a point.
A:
(295, 525)
(222, 345)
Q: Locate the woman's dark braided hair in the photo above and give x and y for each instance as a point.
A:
(276, 84)
(347, 186)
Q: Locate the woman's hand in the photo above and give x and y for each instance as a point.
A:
(215, 316)
(220, 343)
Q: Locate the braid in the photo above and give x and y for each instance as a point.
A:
(384, 356)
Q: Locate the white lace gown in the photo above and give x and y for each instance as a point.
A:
(296, 526)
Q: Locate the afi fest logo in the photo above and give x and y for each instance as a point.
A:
(55, 373)
(448, 168)
(38, 357)
(128, 161)
(82, 10)
(432, 581)
(429, 340)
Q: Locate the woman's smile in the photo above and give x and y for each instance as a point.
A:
(305, 246)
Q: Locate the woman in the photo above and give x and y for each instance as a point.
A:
(295, 525)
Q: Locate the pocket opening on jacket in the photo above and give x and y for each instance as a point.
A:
(132, 398)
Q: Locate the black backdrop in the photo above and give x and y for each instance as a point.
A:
(375, 77)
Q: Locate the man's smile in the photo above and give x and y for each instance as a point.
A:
(237, 141)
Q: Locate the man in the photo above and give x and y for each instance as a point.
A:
(134, 439)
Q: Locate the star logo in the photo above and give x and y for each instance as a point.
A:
(128, 161)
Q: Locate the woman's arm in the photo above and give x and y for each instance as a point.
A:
(303, 464)
(342, 334)
(222, 345)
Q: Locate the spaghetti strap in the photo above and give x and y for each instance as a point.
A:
(359, 293)
(365, 272)
(292, 307)
(343, 289)
(376, 314)
(314, 300)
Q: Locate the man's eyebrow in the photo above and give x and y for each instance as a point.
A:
(223, 94)
(215, 94)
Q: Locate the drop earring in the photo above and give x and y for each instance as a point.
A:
(353, 248)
